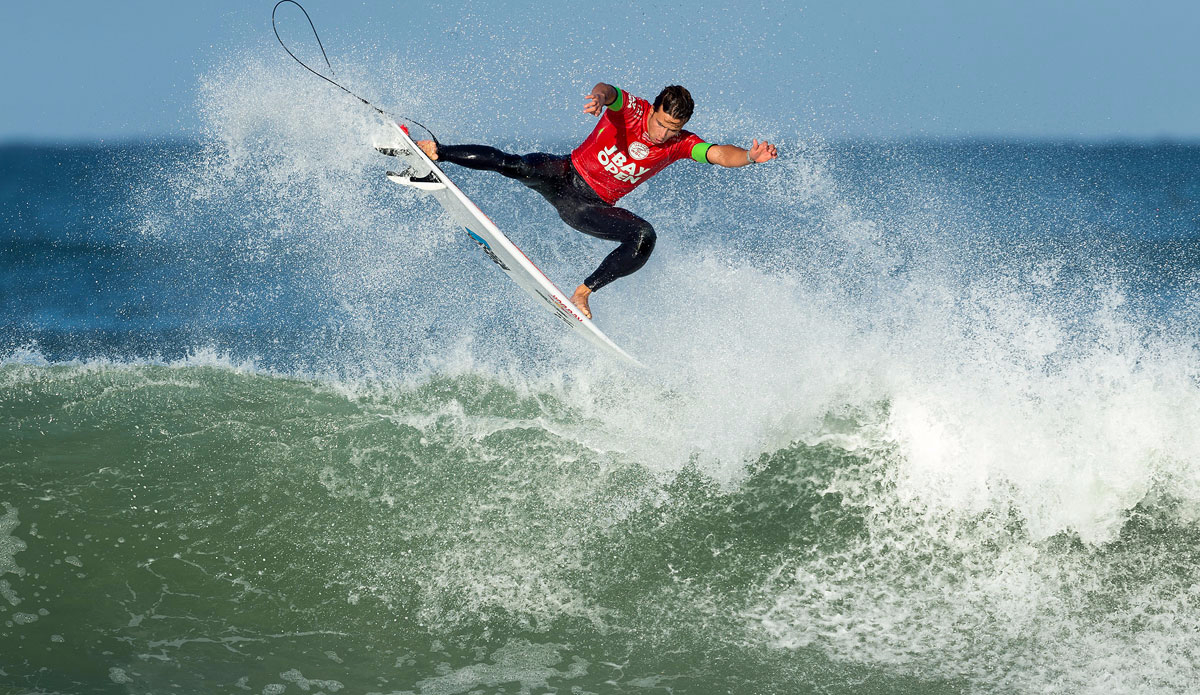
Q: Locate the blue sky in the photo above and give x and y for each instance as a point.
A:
(1093, 70)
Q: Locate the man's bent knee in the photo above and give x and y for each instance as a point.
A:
(646, 237)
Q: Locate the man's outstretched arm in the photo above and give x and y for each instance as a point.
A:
(734, 156)
(601, 96)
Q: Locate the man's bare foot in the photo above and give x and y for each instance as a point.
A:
(580, 299)
(429, 147)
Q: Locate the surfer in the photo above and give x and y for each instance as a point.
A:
(633, 141)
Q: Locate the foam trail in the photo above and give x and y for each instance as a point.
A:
(985, 376)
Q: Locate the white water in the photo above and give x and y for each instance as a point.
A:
(1008, 402)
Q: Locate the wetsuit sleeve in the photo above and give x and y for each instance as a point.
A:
(692, 145)
(619, 102)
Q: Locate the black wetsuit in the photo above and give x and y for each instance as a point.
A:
(555, 178)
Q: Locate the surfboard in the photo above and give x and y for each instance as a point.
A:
(424, 174)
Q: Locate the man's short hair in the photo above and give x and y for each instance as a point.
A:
(676, 102)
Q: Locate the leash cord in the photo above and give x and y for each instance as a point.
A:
(330, 66)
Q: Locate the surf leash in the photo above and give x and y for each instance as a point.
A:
(330, 66)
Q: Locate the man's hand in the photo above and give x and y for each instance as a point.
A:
(594, 107)
(602, 95)
(762, 151)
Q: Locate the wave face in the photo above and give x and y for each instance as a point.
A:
(922, 417)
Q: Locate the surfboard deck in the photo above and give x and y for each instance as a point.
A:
(424, 174)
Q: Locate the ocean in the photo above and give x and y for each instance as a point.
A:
(921, 416)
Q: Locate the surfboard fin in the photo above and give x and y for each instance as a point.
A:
(393, 151)
(427, 182)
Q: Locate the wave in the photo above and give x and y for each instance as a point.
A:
(472, 501)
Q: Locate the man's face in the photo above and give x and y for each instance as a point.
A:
(663, 127)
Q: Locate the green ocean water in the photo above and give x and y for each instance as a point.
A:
(207, 528)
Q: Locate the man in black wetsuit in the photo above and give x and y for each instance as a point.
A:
(633, 141)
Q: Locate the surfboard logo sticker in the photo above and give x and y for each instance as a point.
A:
(488, 250)
(559, 309)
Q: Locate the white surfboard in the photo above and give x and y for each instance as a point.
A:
(424, 174)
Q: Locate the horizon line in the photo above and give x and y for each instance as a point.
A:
(1130, 140)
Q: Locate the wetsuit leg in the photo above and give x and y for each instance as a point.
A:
(604, 221)
(555, 179)
(534, 170)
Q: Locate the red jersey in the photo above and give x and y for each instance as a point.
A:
(618, 156)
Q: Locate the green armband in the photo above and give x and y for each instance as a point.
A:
(619, 101)
(700, 152)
